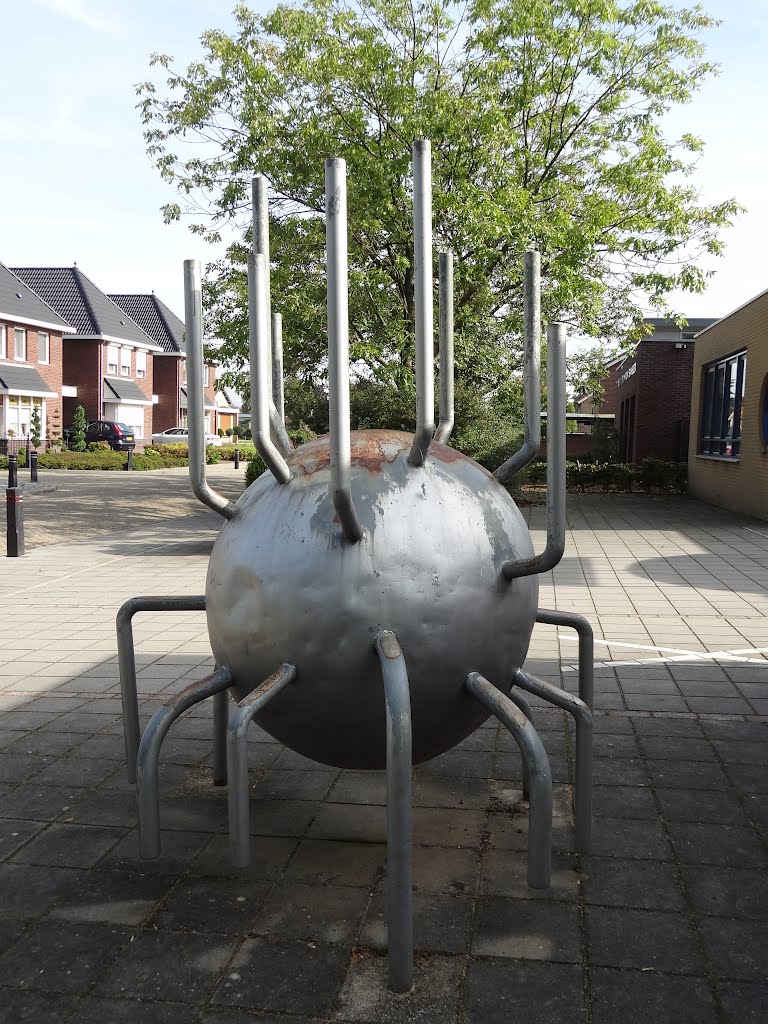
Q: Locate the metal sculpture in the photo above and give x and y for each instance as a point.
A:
(370, 599)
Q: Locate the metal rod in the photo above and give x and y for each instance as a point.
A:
(338, 346)
(147, 789)
(126, 659)
(586, 648)
(399, 812)
(583, 718)
(531, 370)
(539, 775)
(445, 313)
(193, 312)
(517, 698)
(260, 237)
(278, 394)
(220, 718)
(258, 342)
(423, 302)
(553, 552)
(237, 761)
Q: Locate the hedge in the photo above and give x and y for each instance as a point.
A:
(651, 475)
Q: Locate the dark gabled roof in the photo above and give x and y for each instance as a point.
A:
(154, 317)
(124, 391)
(82, 304)
(23, 378)
(19, 302)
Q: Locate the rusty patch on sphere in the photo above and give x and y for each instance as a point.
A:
(368, 449)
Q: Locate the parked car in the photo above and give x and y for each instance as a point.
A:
(118, 436)
(180, 435)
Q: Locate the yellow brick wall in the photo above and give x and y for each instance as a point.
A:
(740, 485)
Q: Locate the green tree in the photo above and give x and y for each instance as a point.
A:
(79, 425)
(546, 124)
(36, 427)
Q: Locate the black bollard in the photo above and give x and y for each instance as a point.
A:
(13, 471)
(33, 467)
(14, 518)
(129, 463)
(237, 458)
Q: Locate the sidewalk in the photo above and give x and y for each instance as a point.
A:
(667, 920)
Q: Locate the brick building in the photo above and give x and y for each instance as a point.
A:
(649, 392)
(107, 360)
(728, 455)
(30, 361)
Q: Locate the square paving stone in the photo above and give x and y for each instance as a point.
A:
(744, 1004)
(750, 778)
(753, 732)
(728, 892)
(440, 923)
(728, 845)
(14, 833)
(667, 725)
(177, 849)
(643, 996)
(620, 771)
(459, 763)
(117, 897)
(607, 744)
(127, 1011)
(17, 767)
(441, 869)
(646, 885)
(325, 862)
(106, 807)
(738, 949)
(77, 771)
(717, 807)
(742, 751)
(39, 803)
(37, 1007)
(317, 914)
(448, 791)
(70, 846)
(624, 802)
(433, 999)
(665, 748)
(683, 774)
(643, 939)
(719, 705)
(287, 977)
(164, 965)
(500, 991)
(282, 817)
(655, 702)
(269, 856)
(29, 892)
(348, 823)
(61, 957)
(235, 1017)
(527, 930)
(505, 874)
(625, 837)
(10, 930)
(230, 906)
(443, 826)
(280, 784)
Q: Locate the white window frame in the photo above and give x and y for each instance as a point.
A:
(125, 362)
(40, 336)
(3, 341)
(112, 359)
(141, 363)
(19, 332)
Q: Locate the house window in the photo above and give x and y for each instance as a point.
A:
(125, 362)
(112, 359)
(20, 344)
(3, 342)
(43, 347)
(720, 432)
(141, 364)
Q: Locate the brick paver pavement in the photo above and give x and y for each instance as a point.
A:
(667, 920)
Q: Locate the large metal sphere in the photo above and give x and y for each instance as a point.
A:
(284, 586)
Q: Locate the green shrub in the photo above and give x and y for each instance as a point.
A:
(229, 431)
(148, 460)
(36, 427)
(254, 469)
(212, 454)
(82, 460)
(80, 425)
(178, 451)
(667, 477)
(227, 451)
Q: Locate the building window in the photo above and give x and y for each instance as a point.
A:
(112, 359)
(720, 432)
(141, 364)
(43, 347)
(20, 344)
(125, 362)
(3, 342)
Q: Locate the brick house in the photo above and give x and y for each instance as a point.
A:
(728, 454)
(167, 330)
(107, 359)
(649, 392)
(30, 362)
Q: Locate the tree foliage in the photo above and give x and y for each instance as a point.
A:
(546, 121)
(79, 426)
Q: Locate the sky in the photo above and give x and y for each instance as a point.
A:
(77, 185)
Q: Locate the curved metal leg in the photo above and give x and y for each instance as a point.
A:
(126, 658)
(149, 754)
(220, 717)
(540, 777)
(583, 719)
(399, 812)
(525, 707)
(586, 648)
(237, 760)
